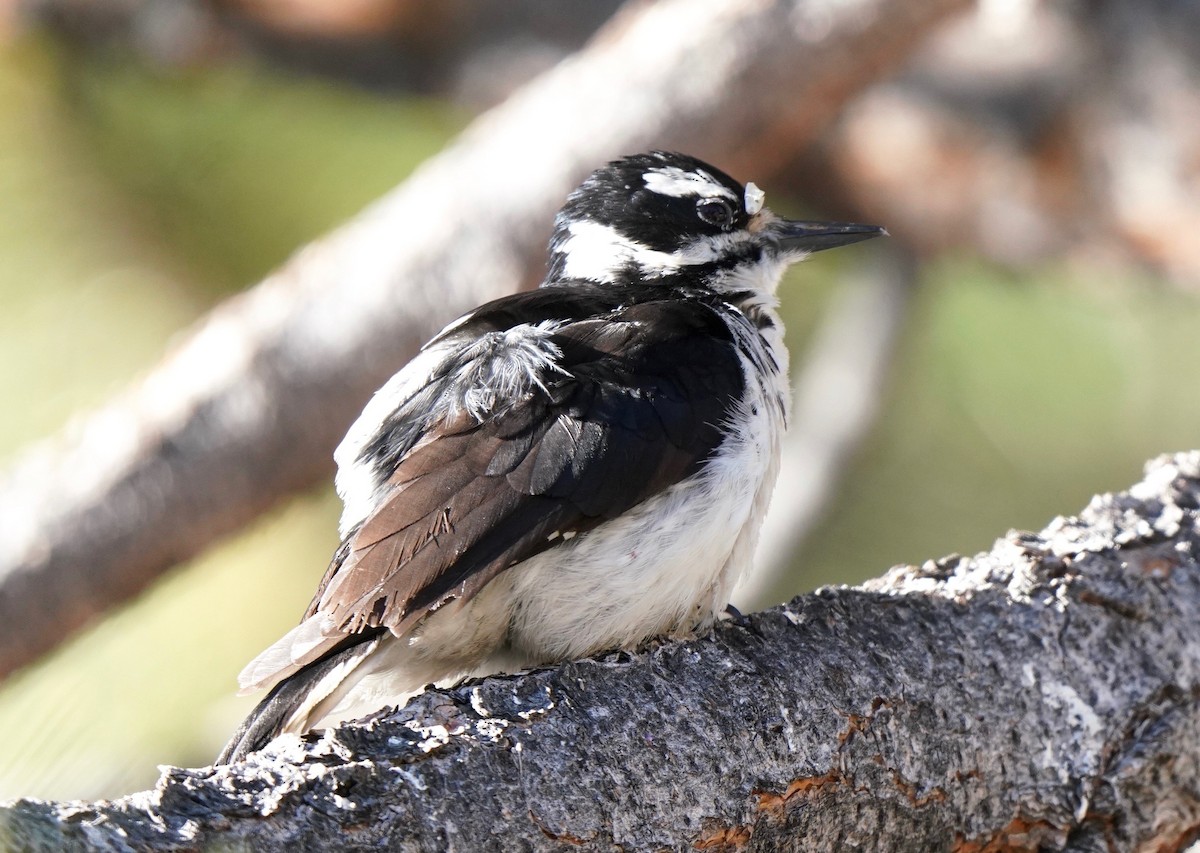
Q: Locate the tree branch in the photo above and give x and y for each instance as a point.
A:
(1045, 695)
(247, 409)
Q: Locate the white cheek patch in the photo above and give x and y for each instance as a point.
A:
(678, 183)
(598, 252)
(754, 198)
(594, 252)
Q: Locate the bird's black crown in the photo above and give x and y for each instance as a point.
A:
(621, 194)
(662, 200)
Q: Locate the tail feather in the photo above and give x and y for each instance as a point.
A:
(289, 705)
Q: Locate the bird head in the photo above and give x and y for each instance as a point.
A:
(669, 218)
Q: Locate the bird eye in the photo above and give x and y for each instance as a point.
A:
(716, 212)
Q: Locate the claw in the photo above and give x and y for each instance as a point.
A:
(735, 617)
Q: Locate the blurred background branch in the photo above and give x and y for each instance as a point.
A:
(1021, 344)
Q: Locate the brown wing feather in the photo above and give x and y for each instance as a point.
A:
(451, 496)
(638, 409)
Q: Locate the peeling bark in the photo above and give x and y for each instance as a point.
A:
(1042, 696)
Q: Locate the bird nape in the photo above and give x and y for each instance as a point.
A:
(564, 471)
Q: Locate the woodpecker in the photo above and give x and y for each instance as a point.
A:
(564, 471)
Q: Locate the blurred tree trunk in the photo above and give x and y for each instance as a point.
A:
(1034, 133)
(1043, 696)
(246, 410)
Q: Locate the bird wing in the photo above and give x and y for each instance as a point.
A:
(533, 432)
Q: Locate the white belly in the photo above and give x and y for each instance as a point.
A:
(666, 567)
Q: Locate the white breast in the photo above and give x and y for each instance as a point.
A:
(669, 565)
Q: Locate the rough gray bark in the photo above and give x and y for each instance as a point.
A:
(247, 409)
(1043, 696)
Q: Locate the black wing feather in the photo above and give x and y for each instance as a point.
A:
(637, 405)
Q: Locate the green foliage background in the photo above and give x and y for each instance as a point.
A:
(134, 200)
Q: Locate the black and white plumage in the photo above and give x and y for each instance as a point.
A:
(563, 471)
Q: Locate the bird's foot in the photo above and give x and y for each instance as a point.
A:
(738, 619)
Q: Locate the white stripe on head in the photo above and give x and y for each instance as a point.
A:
(679, 183)
(597, 252)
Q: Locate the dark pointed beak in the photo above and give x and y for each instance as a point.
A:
(818, 236)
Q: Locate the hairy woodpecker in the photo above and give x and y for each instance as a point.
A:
(563, 471)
